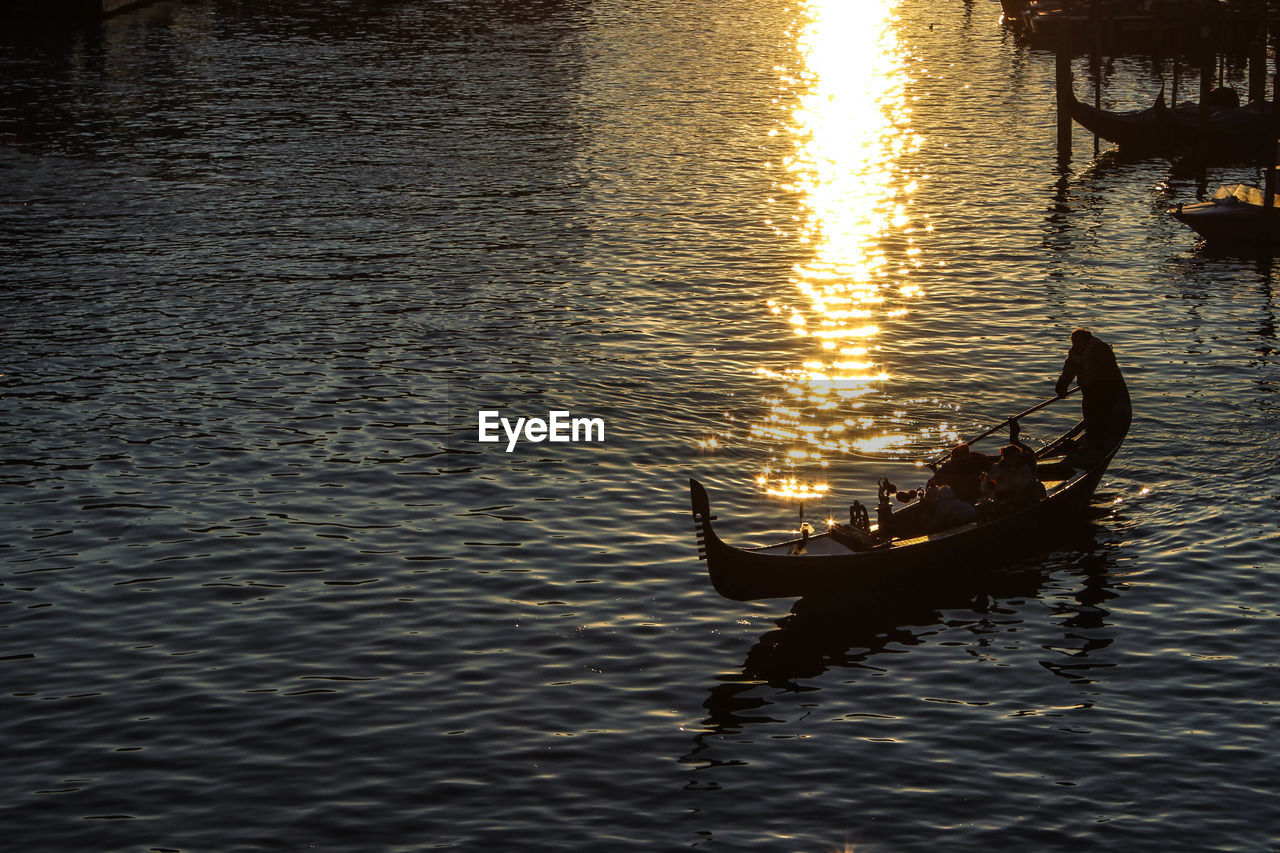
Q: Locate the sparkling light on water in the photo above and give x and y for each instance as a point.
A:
(851, 125)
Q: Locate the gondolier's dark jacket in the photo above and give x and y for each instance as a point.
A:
(1096, 369)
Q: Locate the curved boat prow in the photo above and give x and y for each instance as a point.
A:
(698, 495)
(1160, 109)
(702, 518)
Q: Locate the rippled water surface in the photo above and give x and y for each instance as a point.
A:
(262, 588)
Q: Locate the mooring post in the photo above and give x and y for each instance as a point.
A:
(1258, 97)
(1269, 185)
(1206, 84)
(1207, 62)
(1268, 204)
(1062, 87)
(1095, 63)
(1258, 72)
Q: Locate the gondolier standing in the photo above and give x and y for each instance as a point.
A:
(1105, 402)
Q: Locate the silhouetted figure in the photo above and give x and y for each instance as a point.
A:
(1105, 398)
(944, 510)
(1012, 479)
(961, 472)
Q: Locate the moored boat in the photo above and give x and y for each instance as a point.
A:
(1227, 130)
(899, 551)
(1137, 132)
(1236, 214)
(1011, 10)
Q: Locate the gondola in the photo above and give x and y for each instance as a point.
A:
(1161, 130)
(1228, 131)
(1136, 132)
(897, 553)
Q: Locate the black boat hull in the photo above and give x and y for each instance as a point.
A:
(1137, 132)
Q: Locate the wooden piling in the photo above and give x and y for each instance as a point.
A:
(1257, 72)
(1207, 63)
(1062, 89)
(1268, 204)
(1095, 61)
(1269, 184)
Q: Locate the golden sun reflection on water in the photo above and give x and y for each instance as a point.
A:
(851, 127)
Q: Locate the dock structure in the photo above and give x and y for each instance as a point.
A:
(1207, 35)
(1144, 27)
(64, 11)
(1216, 129)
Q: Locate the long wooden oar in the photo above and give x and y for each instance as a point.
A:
(1037, 407)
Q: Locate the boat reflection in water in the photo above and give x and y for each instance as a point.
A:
(821, 633)
(1072, 593)
(851, 125)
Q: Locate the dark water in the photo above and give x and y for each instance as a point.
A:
(262, 589)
